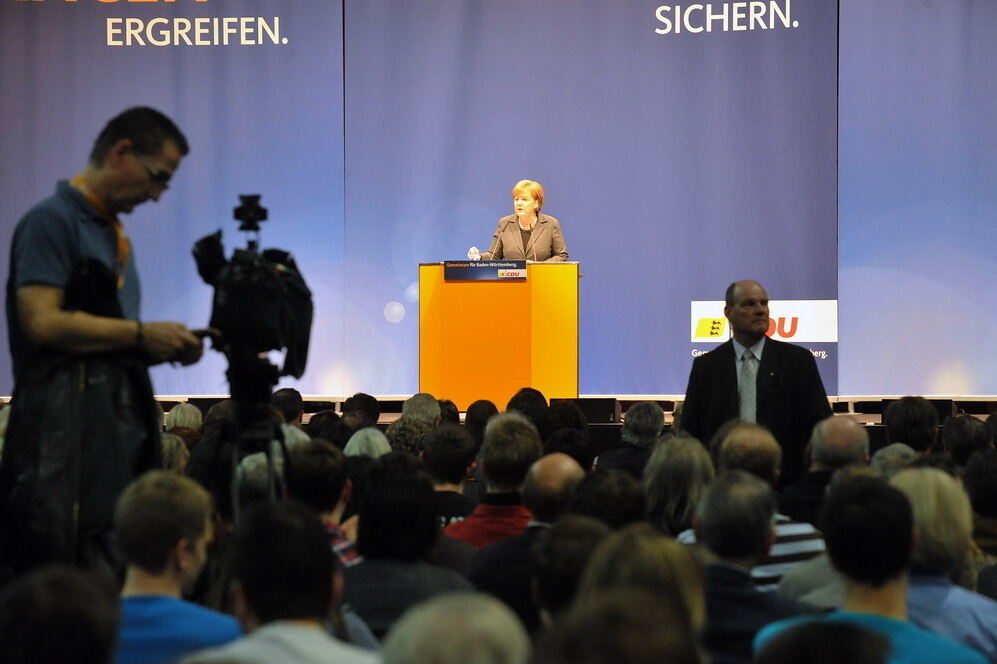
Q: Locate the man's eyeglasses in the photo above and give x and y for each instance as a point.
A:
(158, 176)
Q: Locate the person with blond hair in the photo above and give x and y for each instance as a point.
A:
(943, 519)
(640, 557)
(675, 478)
(527, 234)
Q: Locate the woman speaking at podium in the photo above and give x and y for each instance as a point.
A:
(527, 234)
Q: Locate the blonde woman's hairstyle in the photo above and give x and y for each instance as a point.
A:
(638, 556)
(533, 189)
(175, 453)
(675, 478)
(184, 415)
(943, 520)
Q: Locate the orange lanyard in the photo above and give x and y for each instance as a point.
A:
(124, 247)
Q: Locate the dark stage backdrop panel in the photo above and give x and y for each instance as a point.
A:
(918, 191)
(261, 118)
(676, 163)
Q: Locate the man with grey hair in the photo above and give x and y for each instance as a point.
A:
(735, 521)
(457, 628)
(511, 446)
(837, 442)
(641, 427)
(422, 407)
(893, 458)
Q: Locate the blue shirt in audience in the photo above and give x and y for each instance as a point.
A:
(157, 629)
(911, 644)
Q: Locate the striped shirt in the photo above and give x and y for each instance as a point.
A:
(795, 542)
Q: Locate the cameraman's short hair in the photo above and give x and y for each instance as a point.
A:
(736, 516)
(458, 628)
(154, 513)
(868, 526)
(447, 451)
(145, 127)
(421, 407)
(288, 403)
(283, 561)
(643, 424)
(511, 446)
(318, 473)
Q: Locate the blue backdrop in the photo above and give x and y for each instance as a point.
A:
(918, 191)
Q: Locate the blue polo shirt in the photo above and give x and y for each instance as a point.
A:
(49, 241)
(156, 629)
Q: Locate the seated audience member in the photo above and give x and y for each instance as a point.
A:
(612, 496)
(574, 443)
(459, 628)
(642, 425)
(814, 581)
(510, 448)
(944, 523)
(561, 554)
(475, 420)
(175, 453)
(405, 434)
(734, 522)
(751, 448)
(836, 442)
(986, 582)
(564, 414)
(912, 421)
(448, 411)
(869, 529)
(57, 615)
(287, 585)
(628, 625)
(288, 402)
(422, 407)
(397, 532)
(638, 556)
(162, 524)
(504, 568)
(531, 404)
(893, 458)
(448, 455)
(328, 426)
(320, 482)
(826, 643)
(361, 411)
(963, 435)
(185, 420)
(369, 441)
(980, 479)
(675, 478)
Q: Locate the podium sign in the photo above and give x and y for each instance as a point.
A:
(484, 270)
(487, 338)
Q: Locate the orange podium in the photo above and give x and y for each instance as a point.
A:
(488, 339)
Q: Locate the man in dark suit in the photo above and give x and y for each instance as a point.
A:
(758, 379)
(734, 521)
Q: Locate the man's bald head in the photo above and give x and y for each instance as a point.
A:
(837, 442)
(753, 449)
(549, 483)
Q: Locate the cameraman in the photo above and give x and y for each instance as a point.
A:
(84, 422)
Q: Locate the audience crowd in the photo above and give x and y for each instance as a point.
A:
(511, 538)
